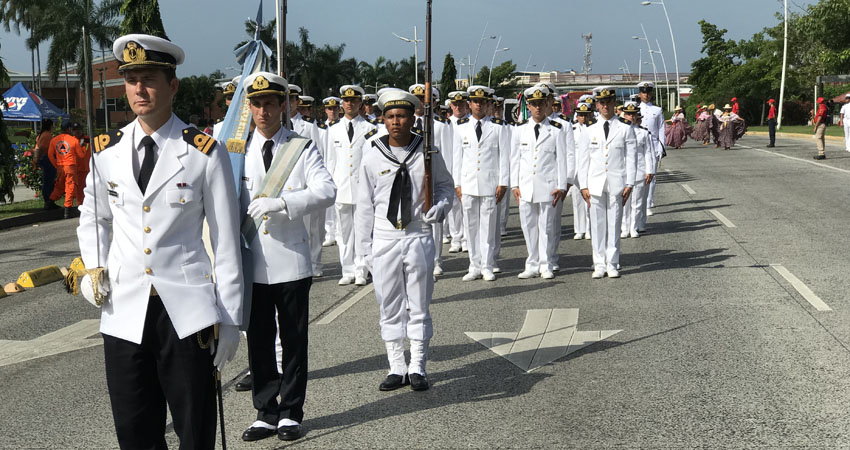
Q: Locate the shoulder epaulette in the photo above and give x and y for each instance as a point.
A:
(416, 130)
(643, 127)
(308, 119)
(322, 125)
(381, 121)
(462, 121)
(106, 140)
(198, 139)
(555, 124)
(521, 122)
(441, 119)
(497, 121)
(565, 118)
(371, 133)
(373, 121)
(625, 121)
(333, 123)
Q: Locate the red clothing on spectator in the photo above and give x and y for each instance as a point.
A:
(821, 115)
(735, 108)
(771, 113)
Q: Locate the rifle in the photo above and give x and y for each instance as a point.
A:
(428, 125)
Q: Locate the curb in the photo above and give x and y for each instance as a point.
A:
(29, 219)
(794, 135)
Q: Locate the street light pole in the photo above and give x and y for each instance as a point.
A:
(493, 60)
(475, 62)
(673, 41)
(415, 43)
(651, 58)
(784, 63)
(666, 78)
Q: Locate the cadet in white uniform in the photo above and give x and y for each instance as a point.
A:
(442, 139)
(653, 120)
(606, 174)
(481, 160)
(344, 145)
(539, 179)
(331, 105)
(844, 119)
(581, 209)
(460, 110)
(277, 203)
(394, 230)
(228, 91)
(152, 184)
(635, 208)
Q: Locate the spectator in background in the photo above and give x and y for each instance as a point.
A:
(845, 114)
(83, 159)
(771, 122)
(193, 120)
(48, 175)
(735, 108)
(64, 151)
(820, 128)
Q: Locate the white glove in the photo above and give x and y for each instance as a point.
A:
(88, 291)
(228, 343)
(259, 207)
(435, 215)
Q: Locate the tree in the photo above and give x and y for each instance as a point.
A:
(447, 81)
(502, 80)
(7, 153)
(142, 16)
(267, 36)
(28, 14)
(195, 95)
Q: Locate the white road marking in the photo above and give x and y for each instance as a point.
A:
(722, 218)
(667, 170)
(813, 162)
(546, 335)
(688, 189)
(70, 338)
(801, 287)
(346, 306)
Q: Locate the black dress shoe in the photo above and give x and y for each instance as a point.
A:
(820, 157)
(289, 432)
(257, 433)
(770, 146)
(245, 384)
(418, 382)
(393, 382)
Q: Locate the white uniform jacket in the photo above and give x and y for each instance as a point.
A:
(281, 249)
(343, 157)
(479, 167)
(652, 118)
(443, 139)
(308, 127)
(539, 165)
(578, 130)
(646, 161)
(155, 238)
(613, 160)
(376, 182)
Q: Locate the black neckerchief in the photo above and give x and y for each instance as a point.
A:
(402, 190)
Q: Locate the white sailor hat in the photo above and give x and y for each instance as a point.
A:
(370, 98)
(332, 102)
(419, 90)
(384, 90)
(631, 108)
(458, 96)
(265, 83)
(229, 88)
(351, 91)
(136, 51)
(398, 99)
(584, 108)
(478, 92)
(605, 92)
(305, 100)
(294, 89)
(447, 102)
(539, 92)
(646, 85)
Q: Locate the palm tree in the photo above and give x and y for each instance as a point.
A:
(142, 16)
(15, 14)
(267, 36)
(73, 25)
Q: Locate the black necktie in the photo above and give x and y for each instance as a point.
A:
(478, 130)
(401, 193)
(605, 126)
(418, 123)
(147, 164)
(350, 131)
(537, 131)
(267, 153)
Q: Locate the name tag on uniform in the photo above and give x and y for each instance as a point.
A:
(111, 192)
(384, 172)
(246, 179)
(182, 185)
(524, 144)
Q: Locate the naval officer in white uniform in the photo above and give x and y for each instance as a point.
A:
(152, 184)
(653, 121)
(635, 209)
(581, 209)
(606, 172)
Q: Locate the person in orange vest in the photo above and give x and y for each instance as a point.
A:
(82, 162)
(63, 153)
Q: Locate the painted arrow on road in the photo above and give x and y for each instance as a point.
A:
(74, 337)
(547, 335)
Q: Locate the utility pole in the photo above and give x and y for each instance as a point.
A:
(587, 52)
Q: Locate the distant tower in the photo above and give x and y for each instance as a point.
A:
(587, 52)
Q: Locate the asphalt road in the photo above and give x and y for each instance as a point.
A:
(718, 348)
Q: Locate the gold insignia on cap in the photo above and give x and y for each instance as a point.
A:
(458, 98)
(260, 83)
(419, 90)
(537, 94)
(479, 92)
(349, 92)
(134, 53)
(331, 102)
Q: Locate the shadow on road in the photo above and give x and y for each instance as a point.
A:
(671, 259)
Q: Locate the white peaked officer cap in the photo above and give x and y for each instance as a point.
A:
(294, 89)
(332, 102)
(419, 89)
(351, 91)
(398, 99)
(136, 51)
(236, 79)
(539, 92)
(370, 98)
(646, 85)
(478, 92)
(304, 100)
(265, 83)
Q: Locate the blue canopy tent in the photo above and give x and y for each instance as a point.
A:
(25, 105)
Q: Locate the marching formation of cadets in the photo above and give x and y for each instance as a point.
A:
(354, 181)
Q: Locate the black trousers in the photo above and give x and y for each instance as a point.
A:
(48, 179)
(291, 301)
(771, 130)
(163, 371)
